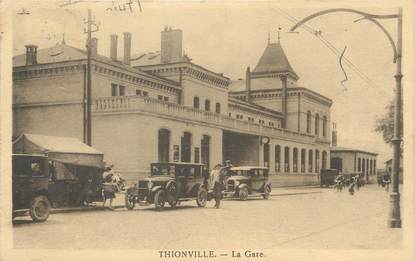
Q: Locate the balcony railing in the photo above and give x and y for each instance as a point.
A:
(176, 111)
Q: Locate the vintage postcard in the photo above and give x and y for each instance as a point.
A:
(206, 130)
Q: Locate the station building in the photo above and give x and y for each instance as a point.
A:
(161, 106)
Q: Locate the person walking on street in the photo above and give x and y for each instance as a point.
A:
(109, 186)
(386, 180)
(216, 180)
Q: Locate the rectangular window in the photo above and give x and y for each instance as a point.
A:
(145, 94)
(207, 105)
(166, 99)
(138, 92)
(114, 89)
(160, 97)
(122, 90)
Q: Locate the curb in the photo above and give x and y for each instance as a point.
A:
(100, 208)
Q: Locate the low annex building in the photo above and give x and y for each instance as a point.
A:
(160, 106)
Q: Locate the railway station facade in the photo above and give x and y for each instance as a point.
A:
(161, 106)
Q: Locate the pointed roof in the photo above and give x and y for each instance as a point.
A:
(274, 60)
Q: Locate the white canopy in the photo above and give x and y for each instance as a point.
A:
(62, 149)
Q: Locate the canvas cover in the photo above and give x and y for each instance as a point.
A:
(61, 149)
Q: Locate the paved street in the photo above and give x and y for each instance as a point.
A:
(327, 220)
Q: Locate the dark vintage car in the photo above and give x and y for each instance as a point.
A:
(171, 183)
(327, 177)
(247, 180)
(39, 185)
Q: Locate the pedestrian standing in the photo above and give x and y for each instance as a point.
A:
(109, 186)
(215, 182)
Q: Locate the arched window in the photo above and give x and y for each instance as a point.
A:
(324, 165)
(207, 105)
(287, 159)
(310, 161)
(295, 160)
(324, 126)
(186, 144)
(370, 167)
(374, 167)
(205, 150)
(266, 155)
(359, 164)
(309, 122)
(363, 166)
(317, 125)
(317, 164)
(163, 145)
(217, 107)
(277, 158)
(303, 160)
(196, 102)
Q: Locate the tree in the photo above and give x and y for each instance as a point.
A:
(385, 124)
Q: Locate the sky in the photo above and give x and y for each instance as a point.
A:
(228, 37)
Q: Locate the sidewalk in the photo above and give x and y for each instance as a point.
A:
(118, 202)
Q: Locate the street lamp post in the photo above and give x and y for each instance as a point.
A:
(394, 215)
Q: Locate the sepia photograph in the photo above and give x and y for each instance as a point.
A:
(206, 130)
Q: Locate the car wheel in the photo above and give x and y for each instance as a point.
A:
(39, 209)
(172, 194)
(201, 197)
(243, 193)
(129, 201)
(159, 200)
(267, 192)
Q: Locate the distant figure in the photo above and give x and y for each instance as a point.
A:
(386, 180)
(109, 185)
(216, 184)
(353, 184)
(339, 183)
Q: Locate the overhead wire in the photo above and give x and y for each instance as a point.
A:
(331, 47)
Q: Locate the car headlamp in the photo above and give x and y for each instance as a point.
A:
(237, 182)
(149, 184)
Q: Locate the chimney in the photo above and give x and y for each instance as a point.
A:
(94, 46)
(334, 136)
(127, 47)
(248, 84)
(171, 45)
(31, 54)
(284, 101)
(113, 50)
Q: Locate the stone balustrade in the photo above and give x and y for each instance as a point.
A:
(176, 111)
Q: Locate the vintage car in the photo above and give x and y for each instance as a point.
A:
(30, 181)
(171, 183)
(328, 176)
(39, 183)
(247, 180)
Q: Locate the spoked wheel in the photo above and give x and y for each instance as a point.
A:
(243, 193)
(129, 201)
(40, 209)
(201, 197)
(267, 192)
(159, 200)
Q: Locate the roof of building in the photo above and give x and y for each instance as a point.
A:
(151, 58)
(273, 60)
(343, 149)
(237, 101)
(54, 54)
(65, 53)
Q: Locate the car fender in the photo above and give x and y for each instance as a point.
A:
(243, 186)
(156, 188)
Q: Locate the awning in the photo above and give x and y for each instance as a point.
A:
(62, 149)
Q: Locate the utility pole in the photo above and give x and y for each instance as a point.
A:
(395, 213)
(87, 107)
